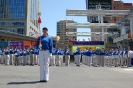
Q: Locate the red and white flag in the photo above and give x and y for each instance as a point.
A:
(39, 20)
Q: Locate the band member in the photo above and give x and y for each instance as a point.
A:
(77, 55)
(67, 56)
(1, 53)
(12, 56)
(7, 56)
(83, 57)
(24, 57)
(94, 57)
(124, 57)
(130, 55)
(16, 61)
(61, 56)
(45, 44)
(58, 61)
(106, 58)
(27, 57)
(90, 57)
(32, 51)
(102, 53)
(53, 56)
(116, 53)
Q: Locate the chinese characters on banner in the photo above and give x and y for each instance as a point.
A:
(87, 42)
(16, 45)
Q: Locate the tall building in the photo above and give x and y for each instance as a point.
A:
(61, 31)
(20, 16)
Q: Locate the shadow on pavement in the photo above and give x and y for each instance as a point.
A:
(18, 83)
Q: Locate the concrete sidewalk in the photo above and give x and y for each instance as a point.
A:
(66, 77)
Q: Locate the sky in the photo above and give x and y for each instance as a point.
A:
(54, 10)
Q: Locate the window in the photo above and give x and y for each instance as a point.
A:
(16, 23)
(16, 13)
(3, 23)
(3, 29)
(20, 30)
(11, 30)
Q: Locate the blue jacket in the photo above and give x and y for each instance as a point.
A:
(24, 53)
(102, 53)
(7, 52)
(89, 53)
(12, 51)
(77, 52)
(17, 54)
(53, 52)
(67, 52)
(47, 43)
(58, 52)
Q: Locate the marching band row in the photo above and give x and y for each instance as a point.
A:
(19, 56)
(101, 57)
(98, 57)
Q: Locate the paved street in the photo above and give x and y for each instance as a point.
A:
(66, 77)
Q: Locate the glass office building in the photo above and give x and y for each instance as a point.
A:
(19, 16)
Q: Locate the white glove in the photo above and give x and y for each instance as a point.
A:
(51, 54)
(40, 46)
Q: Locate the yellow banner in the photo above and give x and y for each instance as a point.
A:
(84, 47)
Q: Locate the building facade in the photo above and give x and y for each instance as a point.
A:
(19, 16)
(61, 31)
(91, 4)
(108, 5)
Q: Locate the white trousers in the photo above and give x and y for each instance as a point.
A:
(11, 59)
(0, 59)
(20, 59)
(53, 59)
(28, 59)
(75, 59)
(58, 61)
(24, 60)
(78, 57)
(35, 59)
(7, 59)
(61, 59)
(44, 64)
(67, 60)
(83, 59)
(50, 60)
(89, 60)
(94, 59)
(86, 60)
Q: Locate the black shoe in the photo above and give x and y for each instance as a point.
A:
(41, 81)
(45, 81)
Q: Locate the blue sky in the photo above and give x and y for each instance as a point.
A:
(54, 10)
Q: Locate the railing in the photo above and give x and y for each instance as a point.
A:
(120, 38)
